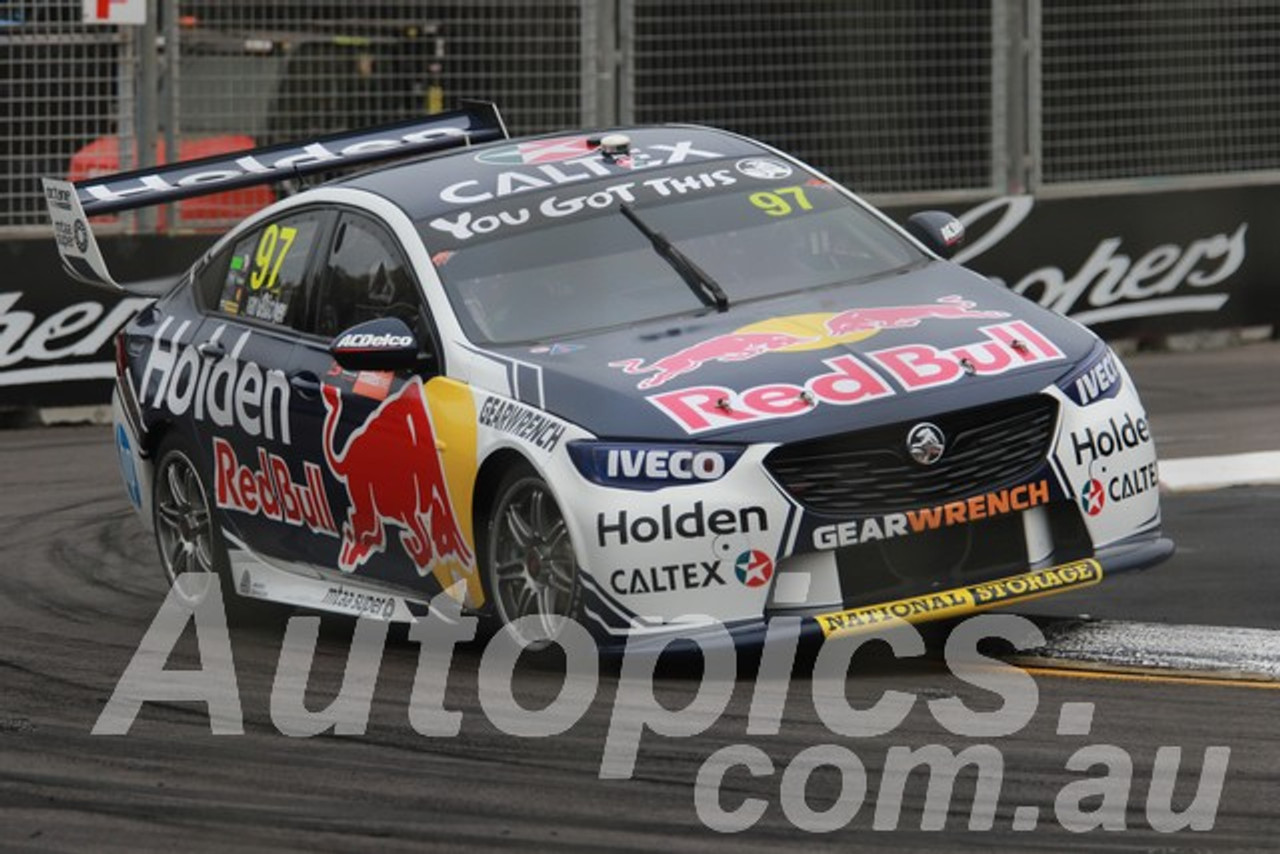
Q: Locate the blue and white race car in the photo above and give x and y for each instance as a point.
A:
(652, 379)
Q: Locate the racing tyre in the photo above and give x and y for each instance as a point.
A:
(531, 572)
(187, 535)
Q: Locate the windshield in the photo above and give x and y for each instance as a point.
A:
(535, 278)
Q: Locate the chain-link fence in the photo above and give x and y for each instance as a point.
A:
(889, 97)
(1157, 88)
(61, 88)
(919, 99)
(289, 69)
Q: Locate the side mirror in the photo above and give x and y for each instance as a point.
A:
(385, 344)
(939, 231)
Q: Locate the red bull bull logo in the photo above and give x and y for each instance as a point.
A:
(391, 470)
(736, 347)
(798, 333)
(906, 316)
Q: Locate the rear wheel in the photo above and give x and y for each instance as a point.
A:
(192, 552)
(531, 570)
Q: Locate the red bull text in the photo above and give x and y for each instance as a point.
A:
(913, 367)
(271, 491)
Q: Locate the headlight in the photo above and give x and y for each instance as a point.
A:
(1096, 378)
(650, 466)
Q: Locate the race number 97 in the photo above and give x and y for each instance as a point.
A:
(273, 246)
(782, 201)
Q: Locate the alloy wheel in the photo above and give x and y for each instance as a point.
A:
(183, 527)
(533, 569)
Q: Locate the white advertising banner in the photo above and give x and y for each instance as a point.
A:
(115, 11)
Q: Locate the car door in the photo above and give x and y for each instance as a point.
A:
(257, 301)
(373, 432)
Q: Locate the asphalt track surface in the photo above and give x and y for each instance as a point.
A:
(79, 585)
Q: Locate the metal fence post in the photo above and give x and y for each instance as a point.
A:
(146, 106)
(127, 109)
(600, 67)
(1010, 97)
(589, 52)
(626, 65)
(1033, 63)
(169, 101)
(1001, 60)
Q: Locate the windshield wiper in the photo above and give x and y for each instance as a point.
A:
(702, 285)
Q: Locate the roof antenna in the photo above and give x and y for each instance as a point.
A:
(615, 145)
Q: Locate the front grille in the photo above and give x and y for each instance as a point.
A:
(952, 557)
(870, 472)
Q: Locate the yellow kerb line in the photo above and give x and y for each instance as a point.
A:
(1123, 676)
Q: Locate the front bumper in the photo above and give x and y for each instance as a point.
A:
(1139, 552)
(1092, 496)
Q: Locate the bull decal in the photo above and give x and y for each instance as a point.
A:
(391, 470)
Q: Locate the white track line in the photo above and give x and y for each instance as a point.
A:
(1213, 651)
(1194, 474)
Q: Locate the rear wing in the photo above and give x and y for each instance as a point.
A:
(70, 205)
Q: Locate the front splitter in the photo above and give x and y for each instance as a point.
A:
(961, 601)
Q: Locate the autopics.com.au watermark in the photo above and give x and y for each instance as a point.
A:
(1097, 797)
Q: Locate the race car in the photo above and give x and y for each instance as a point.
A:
(659, 381)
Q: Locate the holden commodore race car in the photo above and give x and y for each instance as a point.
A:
(653, 380)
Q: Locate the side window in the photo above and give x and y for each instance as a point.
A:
(367, 278)
(210, 280)
(265, 279)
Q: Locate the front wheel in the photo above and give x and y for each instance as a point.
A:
(531, 570)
